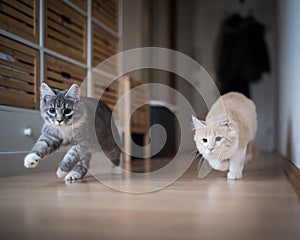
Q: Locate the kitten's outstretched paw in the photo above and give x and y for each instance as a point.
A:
(234, 175)
(73, 175)
(60, 173)
(116, 170)
(31, 160)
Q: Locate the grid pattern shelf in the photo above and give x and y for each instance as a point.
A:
(56, 41)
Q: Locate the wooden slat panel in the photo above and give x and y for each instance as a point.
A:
(106, 11)
(16, 47)
(104, 45)
(64, 40)
(57, 28)
(21, 18)
(30, 3)
(61, 74)
(105, 90)
(15, 27)
(21, 6)
(63, 66)
(13, 12)
(80, 3)
(62, 21)
(12, 73)
(62, 48)
(17, 85)
(19, 74)
(65, 30)
(18, 65)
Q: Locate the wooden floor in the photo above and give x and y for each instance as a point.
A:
(261, 206)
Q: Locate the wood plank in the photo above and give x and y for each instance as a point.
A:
(59, 77)
(65, 39)
(111, 46)
(108, 100)
(110, 9)
(81, 4)
(114, 4)
(54, 26)
(18, 65)
(109, 24)
(17, 75)
(11, 24)
(17, 46)
(11, 11)
(103, 87)
(113, 97)
(102, 37)
(62, 9)
(21, 6)
(18, 56)
(62, 66)
(65, 25)
(65, 50)
(103, 14)
(104, 64)
(30, 3)
(103, 50)
(16, 85)
(8, 24)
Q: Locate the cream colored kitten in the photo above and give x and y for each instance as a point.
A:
(225, 139)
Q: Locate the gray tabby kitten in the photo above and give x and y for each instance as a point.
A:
(83, 123)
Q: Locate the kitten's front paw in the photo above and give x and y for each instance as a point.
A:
(73, 175)
(234, 175)
(31, 160)
(116, 170)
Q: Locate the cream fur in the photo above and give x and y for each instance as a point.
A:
(227, 135)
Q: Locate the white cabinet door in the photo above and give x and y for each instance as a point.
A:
(19, 129)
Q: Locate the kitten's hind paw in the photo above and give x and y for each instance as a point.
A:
(31, 160)
(116, 170)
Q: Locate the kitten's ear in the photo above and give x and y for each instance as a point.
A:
(224, 120)
(46, 91)
(197, 123)
(73, 92)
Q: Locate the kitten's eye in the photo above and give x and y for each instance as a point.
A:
(218, 139)
(67, 111)
(52, 110)
(204, 140)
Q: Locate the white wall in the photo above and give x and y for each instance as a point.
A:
(289, 79)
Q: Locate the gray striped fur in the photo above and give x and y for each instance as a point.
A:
(83, 123)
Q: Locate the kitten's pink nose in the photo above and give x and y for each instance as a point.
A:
(210, 149)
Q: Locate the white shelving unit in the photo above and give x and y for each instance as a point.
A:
(14, 119)
(87, 65)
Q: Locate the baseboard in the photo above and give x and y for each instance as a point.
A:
(293, 174)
